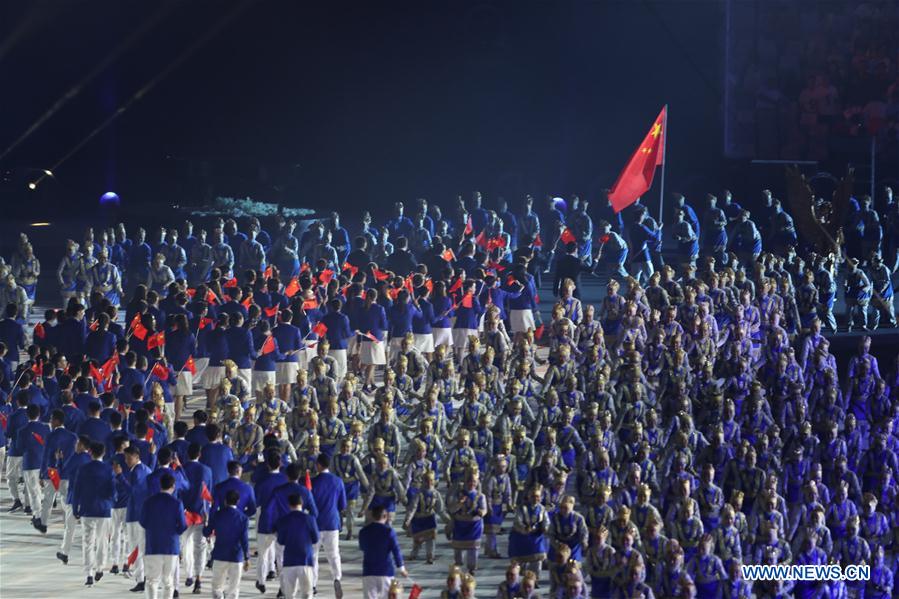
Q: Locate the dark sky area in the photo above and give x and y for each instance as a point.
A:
(356, 104)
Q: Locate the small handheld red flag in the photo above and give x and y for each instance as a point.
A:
(271, 311)
(368, 335)
(567, 236)
(429, 285)
(353, 269)
(310, 304)
(510, 280)
(320, 329)
(415, 593)
(468, 300)
(94, 325)
(37, 368)
(267, 273)
(308, 481)
(156, 340)
(150, 432)
(604, 238)
(3, 420)
(247, 302)
(638, 173)
(53, 475)
(268, 346)
(481, 239)
(448, 255)
(96, 374)
(191, 292)
(211, 297)
(538, 243)
(192, 518)
(539, 332)
(205, 322)
(132, 557)
(38, 438)
(205, 495)
(39, 331)
(140, 331)
(456, 286)
(190, 365)
(469, 228)
(160, 372)
(304, 267)
(380, 275)
(109, 367)
(292, 288)
(231, 283)
(325, 276)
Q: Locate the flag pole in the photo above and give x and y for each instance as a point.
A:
(664, 164)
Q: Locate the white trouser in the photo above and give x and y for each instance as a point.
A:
(117, 537)
(160, 571)
(34, 496)
(136, 538)
(226, 579)
(2, 462)
(13, 473)
(376, 587)
(193, 551)
(296, 582)
(265, 562)
(69, 523)
(50, 495)
(247, 375)
(330, 539)
(94, 543)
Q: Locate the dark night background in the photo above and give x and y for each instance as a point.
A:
(357, 104)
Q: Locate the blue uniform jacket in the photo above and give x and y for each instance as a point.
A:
(297, 532)
(163, 522)
(247, 501)
(94, 490)
(217, 456)
(232, 541)
(381, 553)
(330, 499)
(32, 447)
(198, 476)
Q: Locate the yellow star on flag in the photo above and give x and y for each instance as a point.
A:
(656, 130)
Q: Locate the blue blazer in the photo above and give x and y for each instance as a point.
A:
(278, 504)
(216, 456)
(94, 490)
(381, 553)
(330, 499)
(163, 522)
(297, 532)
(32, 449)
(247, 501)
(231, 528)
(198, 476)
(240, 346)
(60, 439)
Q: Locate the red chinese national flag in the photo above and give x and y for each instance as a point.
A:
(132, 557)
(567, 236)
(380, 275)
(415, 593)
(156, 340)
(38, 438)
(320, 329)
(39, 331)
(93, 326)
(325, 276)
(308, 481)
(191, 292)
(456, 286)
(96, 374)
(469, 228)
(268, 345)
(109, 367)
(467, 300)
(232, 282)
(205, 495)
(353, 270)
(192, 518)
(37, 368)
(636, 178)
(481, 239)
(53, 475)
(310, 304)
(211, 298)
(150, 432)
(190, 365)
(448, 255)
(292, 288)
(267, 273)
(247, 302)
(271, 311)
(539, 332)
(160, 372)
(538, 243)
(205, 322)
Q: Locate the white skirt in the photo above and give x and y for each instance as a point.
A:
(286, 372)
(202, 364)
(185, 384)
(395, 347)
(352, 347)
(372, 354)
(424, 343)
(522, 320)
(442, 337)
(213, 376)
(261, 378)
(460, 337)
